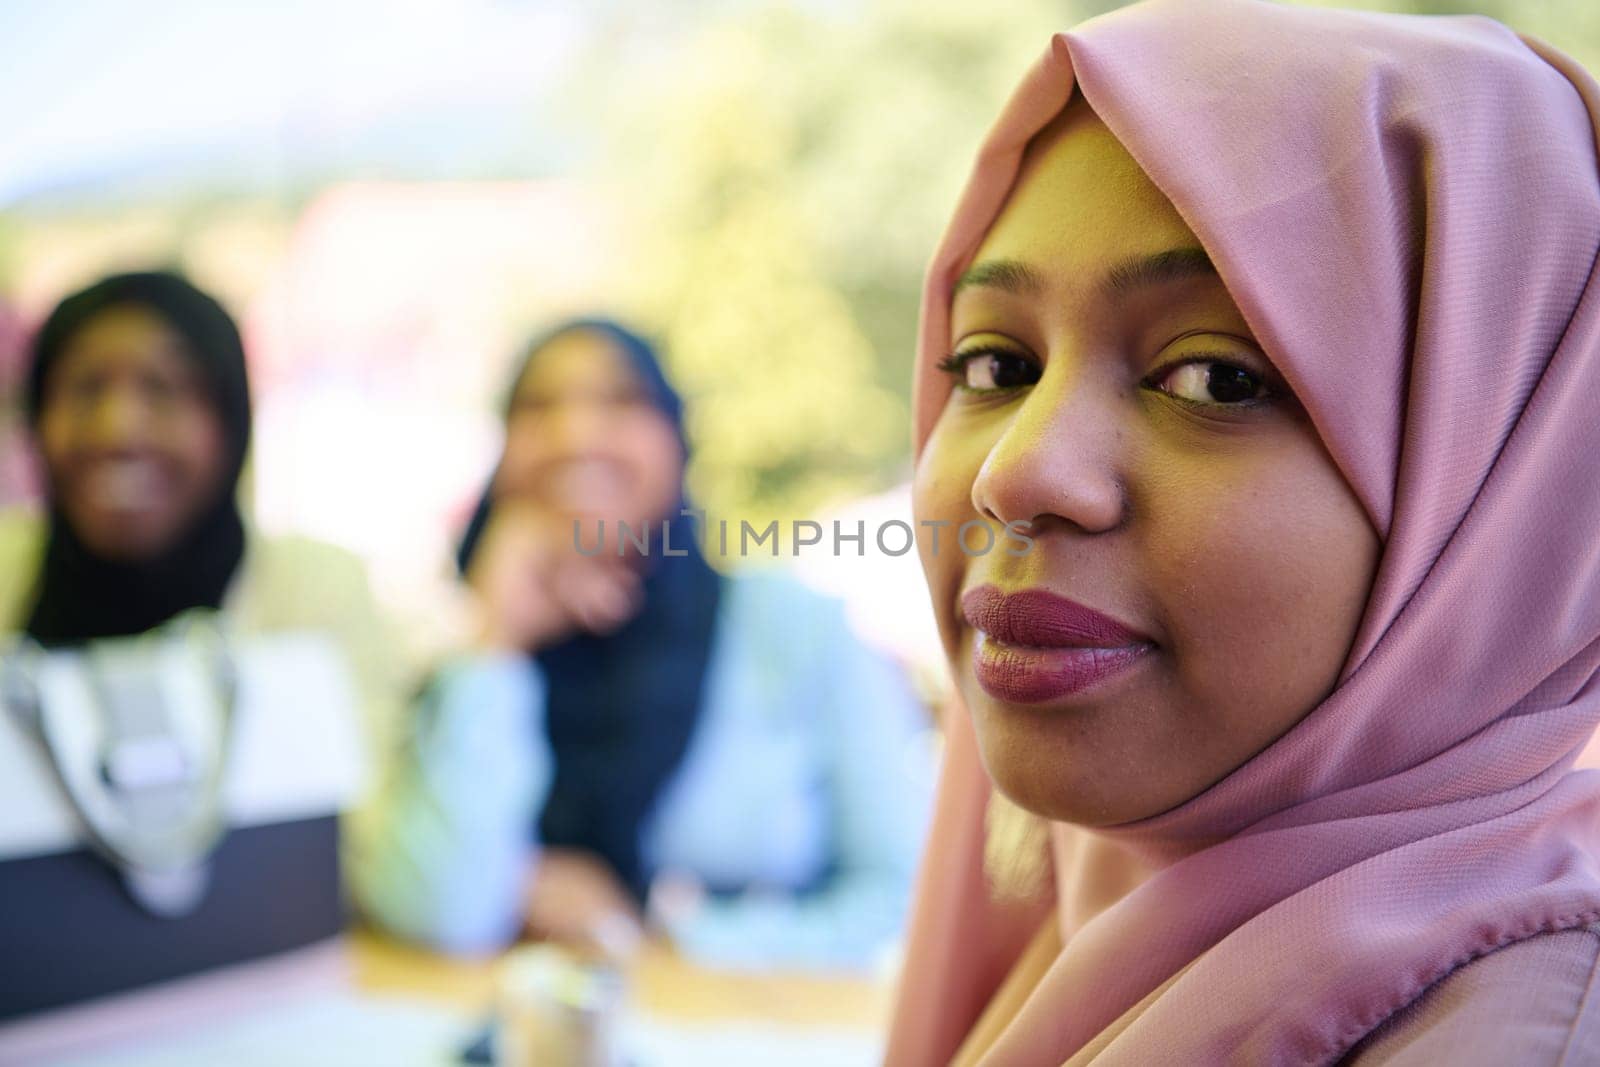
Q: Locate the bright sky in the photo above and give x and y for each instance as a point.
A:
(103, 92)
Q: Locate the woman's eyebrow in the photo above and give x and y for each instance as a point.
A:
(1140, 272)
(1175, 264)
(1007, 275)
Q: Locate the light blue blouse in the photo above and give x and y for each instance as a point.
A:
(806, 784)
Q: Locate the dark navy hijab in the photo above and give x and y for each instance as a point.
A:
(622, 708)
(80, 596)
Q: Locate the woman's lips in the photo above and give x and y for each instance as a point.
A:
(123, 486)
(1034, 646)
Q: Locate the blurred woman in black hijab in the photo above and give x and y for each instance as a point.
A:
(138, 400)
(634, 734)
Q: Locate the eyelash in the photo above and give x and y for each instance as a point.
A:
(1270, 392)
(956, 362)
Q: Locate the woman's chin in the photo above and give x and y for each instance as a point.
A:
(127, 538)
(1058, 801)
(1063, 768)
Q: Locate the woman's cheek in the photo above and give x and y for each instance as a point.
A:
(1255, 562)
(942, 493)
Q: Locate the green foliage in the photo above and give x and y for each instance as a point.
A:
(790, 171)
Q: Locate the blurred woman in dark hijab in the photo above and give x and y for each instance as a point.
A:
(138, 400)
(631, 720)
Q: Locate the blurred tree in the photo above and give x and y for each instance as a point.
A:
(790, 169)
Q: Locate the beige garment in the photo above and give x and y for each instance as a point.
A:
(1534, 1003)
(284, 584)
(1013, 992)
(1090, 875)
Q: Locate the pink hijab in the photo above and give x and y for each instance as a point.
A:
(1406, 209)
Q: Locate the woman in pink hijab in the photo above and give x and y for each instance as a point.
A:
(1280, 331)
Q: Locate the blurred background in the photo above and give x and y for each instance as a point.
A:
(392, 196)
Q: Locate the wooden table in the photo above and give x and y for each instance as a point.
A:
(662, 983)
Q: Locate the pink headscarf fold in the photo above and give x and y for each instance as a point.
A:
(1407, 211)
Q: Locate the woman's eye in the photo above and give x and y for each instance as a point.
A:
(83, 389)
(1212, 381)
(159, 390)
(626, 398)
(991, 369)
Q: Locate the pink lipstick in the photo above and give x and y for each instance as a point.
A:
(1034, 646)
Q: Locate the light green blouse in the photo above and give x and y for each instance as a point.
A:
(284, 584)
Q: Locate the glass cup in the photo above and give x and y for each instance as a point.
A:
(557, 1009)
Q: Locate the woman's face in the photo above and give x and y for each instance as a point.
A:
(586, 442)
(131, 436)
(1109, 392)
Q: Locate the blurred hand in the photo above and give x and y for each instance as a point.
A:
(576, 901)
(675, 897)
(534, 588)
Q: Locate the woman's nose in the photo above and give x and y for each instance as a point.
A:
(576, 425)
(120, 418)
(1058, 459)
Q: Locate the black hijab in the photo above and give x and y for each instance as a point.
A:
(80, 596)
(622, 708)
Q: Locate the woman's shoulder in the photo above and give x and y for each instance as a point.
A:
(297, 555)
(21, 533)
(1535, 1002)
(289, 580)
(21, 540)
